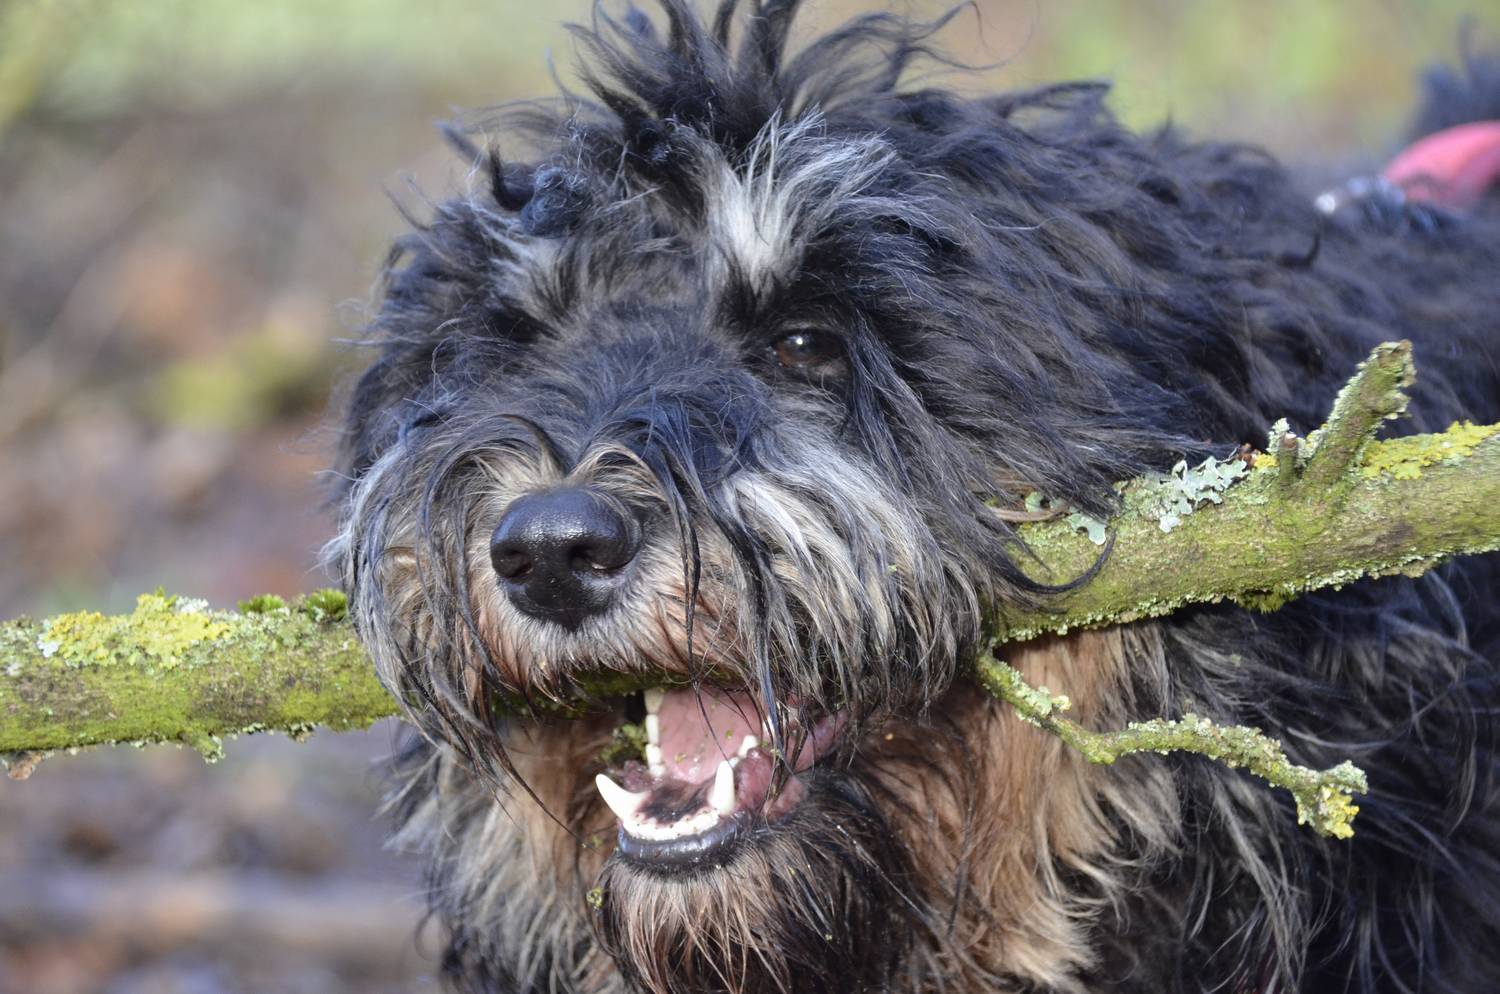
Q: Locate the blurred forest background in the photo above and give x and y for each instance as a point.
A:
(193, 211)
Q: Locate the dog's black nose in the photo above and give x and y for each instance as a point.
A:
(561, 555)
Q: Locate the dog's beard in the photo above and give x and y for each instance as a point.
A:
(917, 859)
(814, 904)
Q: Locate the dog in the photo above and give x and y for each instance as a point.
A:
(725, 387)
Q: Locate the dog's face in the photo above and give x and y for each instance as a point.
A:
(729, 398)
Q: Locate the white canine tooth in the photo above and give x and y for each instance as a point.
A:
(621, 801)
(654, 697)
(653, 728)
(750, 742)
(655, 761)
(721, 794)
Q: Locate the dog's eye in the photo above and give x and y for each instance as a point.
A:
(805, 349)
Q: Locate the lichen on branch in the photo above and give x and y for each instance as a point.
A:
(1376, 393)
(1310, 513)
(173, 670)
(1324, 797)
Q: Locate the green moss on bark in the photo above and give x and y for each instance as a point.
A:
(174, 670)
(1267, 542)
(1405, 458)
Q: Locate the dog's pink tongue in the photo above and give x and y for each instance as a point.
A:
(702, 728)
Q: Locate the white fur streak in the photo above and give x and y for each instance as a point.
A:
(795, 181)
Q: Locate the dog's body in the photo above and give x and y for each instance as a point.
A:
(740, 382)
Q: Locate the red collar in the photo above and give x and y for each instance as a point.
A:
(1451, 168)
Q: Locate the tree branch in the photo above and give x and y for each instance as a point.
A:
(1319, 512)
(175, 671)
(1323, 797)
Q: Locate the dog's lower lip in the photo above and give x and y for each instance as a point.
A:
(705, 848)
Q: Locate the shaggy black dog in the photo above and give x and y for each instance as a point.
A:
(730, 386)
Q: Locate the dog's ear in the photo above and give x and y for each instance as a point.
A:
(511, 185)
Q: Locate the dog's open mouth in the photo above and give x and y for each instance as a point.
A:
(708, 778)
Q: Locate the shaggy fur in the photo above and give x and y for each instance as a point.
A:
(1012, 294)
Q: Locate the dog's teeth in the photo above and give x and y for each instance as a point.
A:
(654, 697)
(750, 742)
(621, 801)
(655, 760)
(721, 794)
(644, 827)
(653, 728)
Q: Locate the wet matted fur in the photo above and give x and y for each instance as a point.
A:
(990, 296)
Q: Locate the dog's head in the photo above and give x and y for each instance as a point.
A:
(711, 414)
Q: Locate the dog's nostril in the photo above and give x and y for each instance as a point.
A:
(606, 556)
(561, 553)
(511, 565)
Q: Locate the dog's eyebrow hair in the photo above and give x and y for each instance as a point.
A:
(559, 462)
